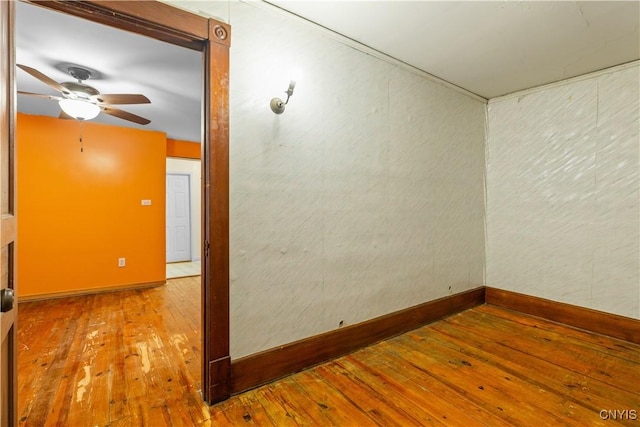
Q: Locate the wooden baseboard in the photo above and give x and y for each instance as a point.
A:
(624, 328)
(260, 368)
(54, 295)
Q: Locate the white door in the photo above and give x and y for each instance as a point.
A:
(178, 218)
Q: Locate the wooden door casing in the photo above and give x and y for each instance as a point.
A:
(212, 37)
(215, 225)
(9, 314)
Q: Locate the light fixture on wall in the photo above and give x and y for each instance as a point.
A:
(277, 104)
(79, 109)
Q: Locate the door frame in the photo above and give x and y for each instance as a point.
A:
(167, 23)
(9, 315)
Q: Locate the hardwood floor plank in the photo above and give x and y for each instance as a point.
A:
(611, 346)
(37, 357)
(504, 395)
(432, 401)
(551, 346)
(90, 384)
(381, 408)
(593, 394)
(336, 406)
(218, 415)
(307, 411)
(268, 411)
(235, 411)
(462, 377)
(117, 394)
(54, 395)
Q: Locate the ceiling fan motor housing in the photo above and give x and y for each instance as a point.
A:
(80, 90)
(79, 73)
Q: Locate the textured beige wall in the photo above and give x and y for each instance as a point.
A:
(365, 197)
(562, 192)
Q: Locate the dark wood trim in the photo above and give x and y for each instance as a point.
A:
(151, 18)
(260, 368)
(215, 271)
(220, 379)
(165, 22)
(624, 328)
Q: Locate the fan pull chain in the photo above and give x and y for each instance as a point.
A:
(81, 146)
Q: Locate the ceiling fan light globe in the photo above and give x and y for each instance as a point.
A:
(81, 110)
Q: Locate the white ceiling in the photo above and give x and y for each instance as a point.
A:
(490, 48)
(170, 76)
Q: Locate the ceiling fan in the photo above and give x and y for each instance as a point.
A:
(83, 102)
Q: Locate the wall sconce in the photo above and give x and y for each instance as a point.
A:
(277, 104)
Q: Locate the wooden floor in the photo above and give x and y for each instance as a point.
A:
(132, 359)
(128, 358)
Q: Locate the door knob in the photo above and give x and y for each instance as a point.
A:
(6, 300)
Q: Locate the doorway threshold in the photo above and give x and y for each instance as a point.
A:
(183, 269)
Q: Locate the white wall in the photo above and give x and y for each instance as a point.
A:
(193, 168)
(365, 197)
(563, 193)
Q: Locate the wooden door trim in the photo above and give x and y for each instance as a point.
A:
(216, 171)
(8, 229)
(160, 21)
(212, 37)
(9, 318)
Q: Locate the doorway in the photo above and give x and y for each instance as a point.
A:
(181, 168)
(169, 24)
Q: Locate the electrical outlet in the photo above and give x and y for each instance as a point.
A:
(122, 262)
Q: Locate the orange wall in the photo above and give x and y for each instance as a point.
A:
(78, 212)
(184, 149)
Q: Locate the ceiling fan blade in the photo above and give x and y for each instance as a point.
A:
(44, 79)
(39, 95)
(124, 115)
(122, 98)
